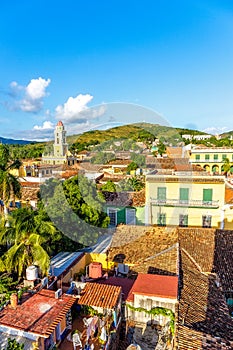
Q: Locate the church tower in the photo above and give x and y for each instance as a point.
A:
(60, 147)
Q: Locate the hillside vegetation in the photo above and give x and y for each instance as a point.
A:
(144, 132)
(96, 139)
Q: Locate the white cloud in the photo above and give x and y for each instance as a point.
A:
(36, 89)
(70, 110)
(30, 97)
(75, 110)
(216, 130)
(47, 125)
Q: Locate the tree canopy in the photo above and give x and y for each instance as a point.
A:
(26, 238)
(9, 184)
(76, 208)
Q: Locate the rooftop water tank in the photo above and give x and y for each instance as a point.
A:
(31, 273)
(95, 270)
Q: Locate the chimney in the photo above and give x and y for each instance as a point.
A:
(14, 300)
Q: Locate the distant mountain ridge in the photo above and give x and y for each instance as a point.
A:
(6, 141)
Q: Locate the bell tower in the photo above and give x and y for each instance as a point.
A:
(60, 147)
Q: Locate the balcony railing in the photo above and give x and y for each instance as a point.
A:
(191, 203)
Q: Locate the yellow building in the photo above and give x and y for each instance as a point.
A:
(211, 159)
(185, 200)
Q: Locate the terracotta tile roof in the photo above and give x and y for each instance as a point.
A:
(86, 166)
(155, 285)
(206, 271)
(146, 248)
(177, 164)
(199, 243)
(125, 283)
(122, 199)
(68, 173)
(100, 295)
(29, 191)
(139, 198)
(39, 314)
(223, 258)
(30, 184)
(174, 152)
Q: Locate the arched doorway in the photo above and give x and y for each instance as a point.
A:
(215, 169)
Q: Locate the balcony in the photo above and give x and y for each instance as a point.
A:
(192, 203)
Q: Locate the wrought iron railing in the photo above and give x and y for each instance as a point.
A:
(184, 203)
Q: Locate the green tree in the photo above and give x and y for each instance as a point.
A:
(226, 166)
(7, 287)
(161, 148)
(14, 345)
(76, 208)
(139, 159)
(103, 157)
(134, 183)
(109, 186)
(132, 166)
(27, 236)
(7, 283)
(9, 184)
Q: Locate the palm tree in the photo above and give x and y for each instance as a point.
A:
(9, 184)
(226, 166)
(161, 148)
(28, 235)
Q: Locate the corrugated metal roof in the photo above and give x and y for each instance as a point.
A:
(63, 261)
(100, 295)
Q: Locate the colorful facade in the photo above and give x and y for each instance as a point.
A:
(212, 159)
(185, 200)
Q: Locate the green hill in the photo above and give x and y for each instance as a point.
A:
(137, 132)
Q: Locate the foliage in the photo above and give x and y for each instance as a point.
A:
(9, 184)
(157, 311)
(77, 147)
(143, 132)
(109, 186)
(28, 235)
(7, 283)
(161, 148)
(14, 345)
(89, 310)
(132, 166)
(139, 159)
(29, 151)
(102, 158)
(75, 207)
(226, 166)
(134, 183)
(7, 287)
(133, 131)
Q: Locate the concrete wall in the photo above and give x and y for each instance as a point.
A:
(149, 302)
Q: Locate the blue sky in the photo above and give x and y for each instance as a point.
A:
(61, 59)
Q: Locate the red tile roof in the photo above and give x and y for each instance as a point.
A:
(40, 314)
(155, 285)
(125, 283)
(100, 295)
